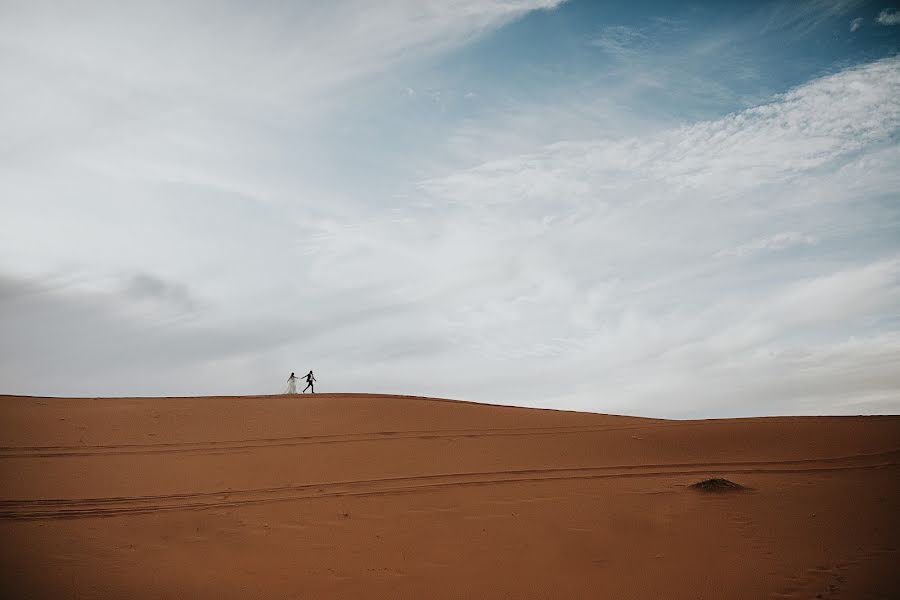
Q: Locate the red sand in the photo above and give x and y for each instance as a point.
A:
(366, 496)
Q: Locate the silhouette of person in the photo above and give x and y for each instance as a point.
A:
(292, 384)
(309, 382)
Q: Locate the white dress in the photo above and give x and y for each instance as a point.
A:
(292, 385)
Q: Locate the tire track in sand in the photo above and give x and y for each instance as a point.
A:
(65, 508)
(273, 442)
(240, 445)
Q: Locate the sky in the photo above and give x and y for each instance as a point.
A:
(671, 209)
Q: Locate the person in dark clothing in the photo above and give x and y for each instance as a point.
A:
(309, 382)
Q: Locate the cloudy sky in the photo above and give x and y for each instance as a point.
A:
(656, 208)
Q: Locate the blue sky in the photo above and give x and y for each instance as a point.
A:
(667, 209)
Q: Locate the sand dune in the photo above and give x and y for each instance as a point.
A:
(367, 496)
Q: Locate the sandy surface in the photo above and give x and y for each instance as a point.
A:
(365, 496)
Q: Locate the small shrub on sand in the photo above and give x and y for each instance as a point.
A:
(717, 484)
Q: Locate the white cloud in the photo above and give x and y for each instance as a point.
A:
(802, 16)
(620, 40)
(621, 232)
(856, 24)
(165, 213)
(779, 241)
(834, 296)
(889, 17)
(802, 130)
(74, 74)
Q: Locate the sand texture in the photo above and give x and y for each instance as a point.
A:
(367, 496)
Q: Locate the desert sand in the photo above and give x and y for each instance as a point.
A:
(371, 496)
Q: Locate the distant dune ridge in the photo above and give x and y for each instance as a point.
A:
(373, 496)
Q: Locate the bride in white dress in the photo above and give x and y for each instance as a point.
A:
(292, 384)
